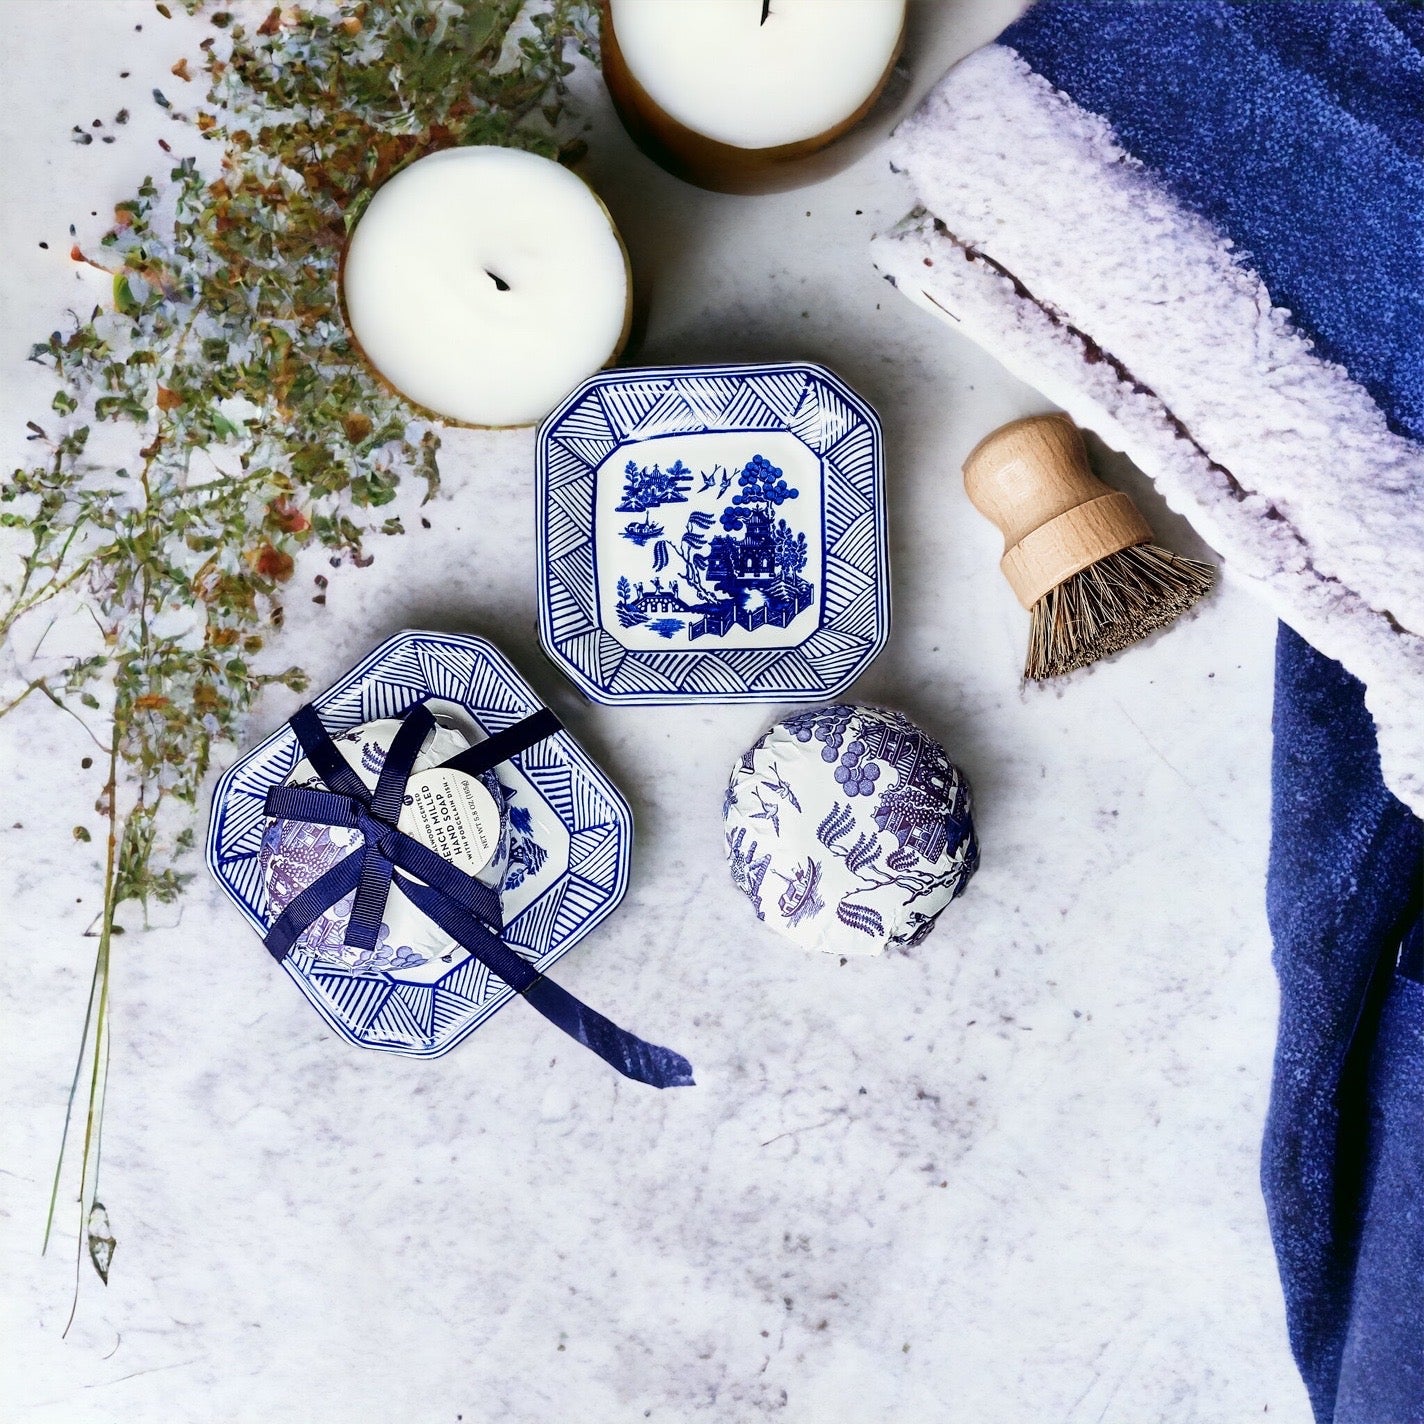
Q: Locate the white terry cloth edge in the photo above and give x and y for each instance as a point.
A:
(1052, 248)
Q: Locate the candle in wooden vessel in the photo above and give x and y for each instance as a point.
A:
(729, 94)
(484, 283)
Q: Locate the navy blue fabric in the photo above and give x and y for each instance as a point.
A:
(1343, 1163)
(377, 868)
(1382, 1363)
(1323, 205)
(1296, 128)
(1407, 16)
(1359, 56)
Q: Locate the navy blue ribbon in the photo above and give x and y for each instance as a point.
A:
(467, 910)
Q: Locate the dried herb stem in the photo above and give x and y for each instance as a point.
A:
(215, 420)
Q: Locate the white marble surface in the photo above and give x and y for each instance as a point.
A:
(1008, 1176)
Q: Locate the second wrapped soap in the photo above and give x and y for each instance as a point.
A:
(849, 829)
(462, 818)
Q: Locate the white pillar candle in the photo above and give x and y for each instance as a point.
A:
(722, 90)
(485, 283)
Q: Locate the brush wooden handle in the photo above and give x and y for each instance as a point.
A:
(1031, 477)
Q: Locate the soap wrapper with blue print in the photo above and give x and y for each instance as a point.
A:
(463, 818)
(849, 829)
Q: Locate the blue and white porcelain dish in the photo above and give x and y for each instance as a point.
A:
(570, 843)
(712, 534)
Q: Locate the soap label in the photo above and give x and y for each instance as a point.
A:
(454, 814)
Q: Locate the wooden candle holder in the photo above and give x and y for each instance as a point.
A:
(709, 163)
(501, 231)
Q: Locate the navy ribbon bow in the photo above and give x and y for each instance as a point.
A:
(467, 910)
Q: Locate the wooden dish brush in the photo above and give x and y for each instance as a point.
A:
(1078, 554)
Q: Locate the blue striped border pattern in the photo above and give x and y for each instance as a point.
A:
(379, 1010)
(615, 408)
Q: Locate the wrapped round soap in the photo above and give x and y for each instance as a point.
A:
(849, 829)
(461, 817)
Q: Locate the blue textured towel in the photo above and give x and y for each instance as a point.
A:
(1296, 131)
(1288, 125)
(1343, 1167)
(1234, 108)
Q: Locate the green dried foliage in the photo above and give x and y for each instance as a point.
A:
(214, 420)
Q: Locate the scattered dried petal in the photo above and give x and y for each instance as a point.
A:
(288, 516)
(274, 563)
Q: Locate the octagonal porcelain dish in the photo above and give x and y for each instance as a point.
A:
(572, 836)
(712, 534)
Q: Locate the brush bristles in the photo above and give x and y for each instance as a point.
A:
(1110, 605)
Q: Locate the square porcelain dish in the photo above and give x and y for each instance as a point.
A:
(571, 830)
(712, 534)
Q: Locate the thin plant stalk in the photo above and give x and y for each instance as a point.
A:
(224, 349)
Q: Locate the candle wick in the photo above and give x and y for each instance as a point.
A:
(765, 10)
(500, 284)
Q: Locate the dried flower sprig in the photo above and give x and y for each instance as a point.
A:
(213, 418)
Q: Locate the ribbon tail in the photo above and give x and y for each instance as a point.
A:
(632, 1056)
